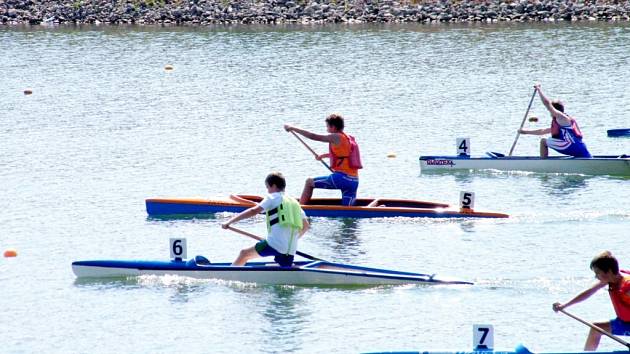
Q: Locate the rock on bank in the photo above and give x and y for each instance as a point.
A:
(204, 12)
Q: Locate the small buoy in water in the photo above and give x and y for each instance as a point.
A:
(533, 119)
(10, 253)
(168, 67)
(391, 155)
(28, 91)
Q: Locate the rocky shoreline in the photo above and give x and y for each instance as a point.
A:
(207, 12)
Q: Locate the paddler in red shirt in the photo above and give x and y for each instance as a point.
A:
(345, 163)
(566, 136)
(606, 269)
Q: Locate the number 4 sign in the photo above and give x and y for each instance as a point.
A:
(178, 249)
(463, 146)
(483, 337)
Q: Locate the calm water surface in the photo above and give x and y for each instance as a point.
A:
(107, 127)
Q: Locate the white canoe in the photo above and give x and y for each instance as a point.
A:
(597, 165)
(301, 273)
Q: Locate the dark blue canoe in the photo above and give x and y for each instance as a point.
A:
(618, 132)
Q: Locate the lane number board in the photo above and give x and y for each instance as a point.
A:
(483, 337)
(467, 200)
(463, 146)
(178, 249)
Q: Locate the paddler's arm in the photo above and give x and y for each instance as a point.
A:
(561, 117)
(322, 156)
(255, 210)
(535, 131)
(305, 227)
(328, 138)
(580, 297)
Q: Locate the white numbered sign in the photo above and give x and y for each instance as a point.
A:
(178, 248)
(463, 146)
(483, 337)
(467, 200)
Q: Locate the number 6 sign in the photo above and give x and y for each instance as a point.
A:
(178, 249)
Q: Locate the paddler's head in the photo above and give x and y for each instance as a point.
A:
(605, 266)
(275, 182)
(334, 123)
(557, 104)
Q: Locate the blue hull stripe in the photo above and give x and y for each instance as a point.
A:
(520, 349)
(162, 208)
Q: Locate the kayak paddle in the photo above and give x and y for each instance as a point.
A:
(255, 237)
(311, 150)
(598, 329)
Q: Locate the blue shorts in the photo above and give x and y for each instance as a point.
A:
(347, 184)
(577, 149)
(619, 327)
(264, 250)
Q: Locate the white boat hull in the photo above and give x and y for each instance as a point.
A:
(615, 166)
(303, 273)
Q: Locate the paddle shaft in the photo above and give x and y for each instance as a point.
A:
(600, 330)
(256, 237)
(311, 150)
(518, 133)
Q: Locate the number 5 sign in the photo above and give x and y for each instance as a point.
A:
(483, 337)
(466, 201)
(178, 249)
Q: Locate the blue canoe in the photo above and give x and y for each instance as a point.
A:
(318, 207)
(519, 350)
(618, 132)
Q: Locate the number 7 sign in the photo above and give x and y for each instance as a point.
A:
(483, 337)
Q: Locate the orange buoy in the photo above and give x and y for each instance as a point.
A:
(168, 67)
(28, 91)
(10, 253)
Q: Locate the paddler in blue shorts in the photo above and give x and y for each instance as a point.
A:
(344, 161)
(286, 223)
(607, 272)
(566, 137)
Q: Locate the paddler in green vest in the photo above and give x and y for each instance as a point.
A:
(286, 223)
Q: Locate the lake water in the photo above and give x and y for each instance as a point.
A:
(107, 127)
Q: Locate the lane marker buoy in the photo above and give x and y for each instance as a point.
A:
(28, 91)
(168, 67)
(391, 155)
(533, 119)
(10, 253)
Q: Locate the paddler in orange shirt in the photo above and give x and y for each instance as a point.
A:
(344, 161)
(606, 269)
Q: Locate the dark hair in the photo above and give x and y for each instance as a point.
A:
(277, 179)
(558, 105)
(605, 262)
(336, 121)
